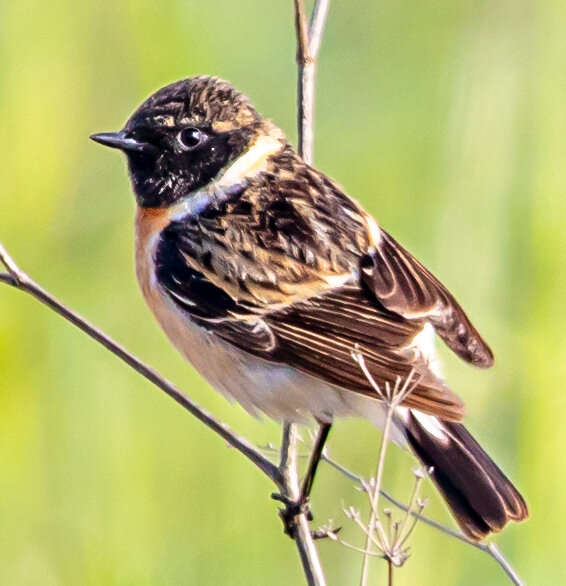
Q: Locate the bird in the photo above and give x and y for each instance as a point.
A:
(268, 278)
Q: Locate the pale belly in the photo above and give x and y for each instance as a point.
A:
(261, 387)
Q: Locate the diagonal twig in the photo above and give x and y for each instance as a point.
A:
(18, 279)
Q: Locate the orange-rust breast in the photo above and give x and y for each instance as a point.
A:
(149, 224)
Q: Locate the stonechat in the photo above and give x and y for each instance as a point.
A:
(266, 277)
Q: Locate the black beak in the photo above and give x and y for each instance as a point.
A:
(122, 140)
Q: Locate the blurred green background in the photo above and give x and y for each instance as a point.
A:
(446, 118)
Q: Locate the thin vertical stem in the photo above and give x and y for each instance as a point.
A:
(305, 91)
(291, 486)
(489, 549)
(316, 27)
(308, 45)
(374, 497)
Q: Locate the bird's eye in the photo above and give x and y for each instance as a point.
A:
(190, 138)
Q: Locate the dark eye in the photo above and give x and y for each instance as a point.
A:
(190, 138)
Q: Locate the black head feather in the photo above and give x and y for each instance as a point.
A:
(188, 132)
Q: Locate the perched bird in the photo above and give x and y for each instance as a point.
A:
(266, 276)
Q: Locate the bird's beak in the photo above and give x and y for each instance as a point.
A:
(121, 140)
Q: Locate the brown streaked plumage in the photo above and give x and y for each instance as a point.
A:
(266, 275)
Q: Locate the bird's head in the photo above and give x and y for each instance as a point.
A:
(185, 135)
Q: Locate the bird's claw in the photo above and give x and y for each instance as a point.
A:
(294, 508)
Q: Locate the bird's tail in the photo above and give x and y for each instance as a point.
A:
(480, 496)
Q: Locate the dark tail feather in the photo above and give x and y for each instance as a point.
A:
(481, 497)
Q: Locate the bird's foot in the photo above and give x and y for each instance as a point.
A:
(292, 510)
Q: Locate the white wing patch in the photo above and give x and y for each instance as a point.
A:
(430, 424)
(373, 230)
(424, 342)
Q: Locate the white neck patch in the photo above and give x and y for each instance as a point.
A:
(248, 165)
(251, 163)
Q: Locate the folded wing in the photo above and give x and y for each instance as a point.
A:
(317, 335)
(294, 271)
(405, 287)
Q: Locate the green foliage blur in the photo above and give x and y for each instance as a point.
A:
(446, 118)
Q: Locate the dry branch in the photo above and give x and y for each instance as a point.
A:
(20, 280)
(308, 45)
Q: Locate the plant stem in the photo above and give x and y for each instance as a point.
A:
(288, 469)
(490, 549)
(374, 496)
(308, 46)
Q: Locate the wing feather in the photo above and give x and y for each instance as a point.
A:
(317, 338)
(404, 286)
(283, 272)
